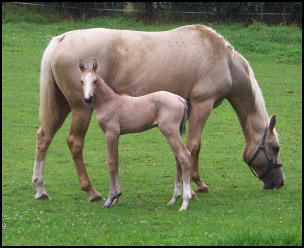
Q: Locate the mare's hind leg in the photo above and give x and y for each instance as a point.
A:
(44, 137)
(199, 113)
(79, 126)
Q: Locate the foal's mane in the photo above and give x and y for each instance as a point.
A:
(113, 89)
(110, 86)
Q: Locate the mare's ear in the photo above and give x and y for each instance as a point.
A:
(81, 66)
(95, 65)
(272, 122)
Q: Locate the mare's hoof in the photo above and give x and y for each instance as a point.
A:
(202, 189)
(96, 198)
(42, 196)
(194, 197)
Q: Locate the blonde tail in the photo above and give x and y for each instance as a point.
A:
(49, 111)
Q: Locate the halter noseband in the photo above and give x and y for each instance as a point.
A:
(272, 165)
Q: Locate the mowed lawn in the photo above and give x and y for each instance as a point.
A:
(237, 211)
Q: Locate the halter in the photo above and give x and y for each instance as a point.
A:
(272, 165)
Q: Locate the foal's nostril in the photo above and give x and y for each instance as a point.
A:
(282, 183)
(272, 185)
(88, 100)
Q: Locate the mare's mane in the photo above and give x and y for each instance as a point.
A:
(219, 41)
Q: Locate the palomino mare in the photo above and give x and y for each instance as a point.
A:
(120, 114)
(191, 61)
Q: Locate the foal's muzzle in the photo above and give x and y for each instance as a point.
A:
(88, 100)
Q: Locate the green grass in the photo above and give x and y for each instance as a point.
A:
(236, 211)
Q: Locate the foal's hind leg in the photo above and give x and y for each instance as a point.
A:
(44, 137)
(178, 183)
(183, 158)
(79, 126)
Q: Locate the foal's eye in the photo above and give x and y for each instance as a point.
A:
(81, 82)
(95, 81)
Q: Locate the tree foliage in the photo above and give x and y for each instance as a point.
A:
(246, 12)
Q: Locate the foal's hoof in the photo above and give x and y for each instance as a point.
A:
(171, 203)
(115, 200)
(202, 189)
(182, 209)
(95, 198)
(42, 196)
(107, 205)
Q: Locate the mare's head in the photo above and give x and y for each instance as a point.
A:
(263, 158)
(88, 80)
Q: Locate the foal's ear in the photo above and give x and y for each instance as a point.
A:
(95, 65)
(81, 66)
(272, 122)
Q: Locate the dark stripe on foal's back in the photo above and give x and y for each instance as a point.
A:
(113, 89)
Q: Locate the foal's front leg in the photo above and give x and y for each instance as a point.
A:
(112, 161)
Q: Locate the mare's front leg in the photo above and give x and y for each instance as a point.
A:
(112, 161)
(79, 126)
(199, 113)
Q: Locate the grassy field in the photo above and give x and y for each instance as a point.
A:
(236, 211)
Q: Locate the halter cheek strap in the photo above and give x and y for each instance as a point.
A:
(270, 162)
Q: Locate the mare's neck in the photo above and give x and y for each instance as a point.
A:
(247, 101)
(253, 121)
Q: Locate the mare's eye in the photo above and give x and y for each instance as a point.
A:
(276, 149)
(81, 82)
(95, 81)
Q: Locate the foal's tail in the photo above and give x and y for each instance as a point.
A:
(49, 91)
(182, 127)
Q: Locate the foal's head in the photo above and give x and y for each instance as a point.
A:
(88, 80)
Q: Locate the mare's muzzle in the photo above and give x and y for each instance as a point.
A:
(88, 100)
(274, 184)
